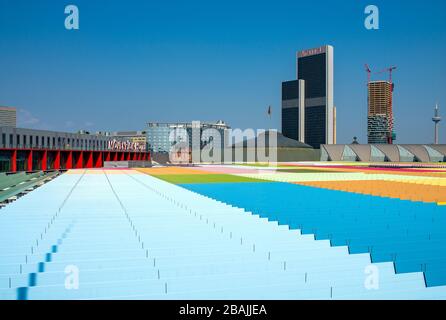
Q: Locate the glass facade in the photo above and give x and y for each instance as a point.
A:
(290, 90)
(36, 160)
(315, 70)
(324, 155)
(383, 153)
(434, 155)
(312, 69)
(349, 155)
(158, 138)
(315, 126)
(5, 161)
(158, 134)
(406, 155)
(290, 109)
(22, 163)
(290, 123)
(377, 155)
(377, 129)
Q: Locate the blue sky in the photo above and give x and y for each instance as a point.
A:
(137, 61)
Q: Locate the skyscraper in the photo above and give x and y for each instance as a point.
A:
(307, 103)
(293, 110)
(380, 118)
(334, 125)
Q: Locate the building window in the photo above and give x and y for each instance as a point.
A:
(3, 139)
(42, 142)
(18, 140)
(434, 155)
(406, 155)
(349, 155)
(48, 142)
(10, 140)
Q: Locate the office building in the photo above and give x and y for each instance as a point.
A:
(137, 138)
(334, 126)
(8, 117)
(158, 134)
(293, 110)
(30, 150)
(380, 117)
(307, 103)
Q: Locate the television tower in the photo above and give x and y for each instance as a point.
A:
(436, 119)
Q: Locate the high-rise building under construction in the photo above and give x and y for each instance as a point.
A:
(380, 114)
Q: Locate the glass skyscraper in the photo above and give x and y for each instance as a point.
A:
(307, 103)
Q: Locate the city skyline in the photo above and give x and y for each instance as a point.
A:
(149, 69)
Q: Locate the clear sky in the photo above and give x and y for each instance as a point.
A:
(132, 62)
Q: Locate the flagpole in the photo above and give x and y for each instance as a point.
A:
(270, 111)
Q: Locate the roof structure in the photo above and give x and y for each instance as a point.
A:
(282, 141)
(391, 152)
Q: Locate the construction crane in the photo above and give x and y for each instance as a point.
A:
(390, 71)
(369, 73)
(391, 135)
